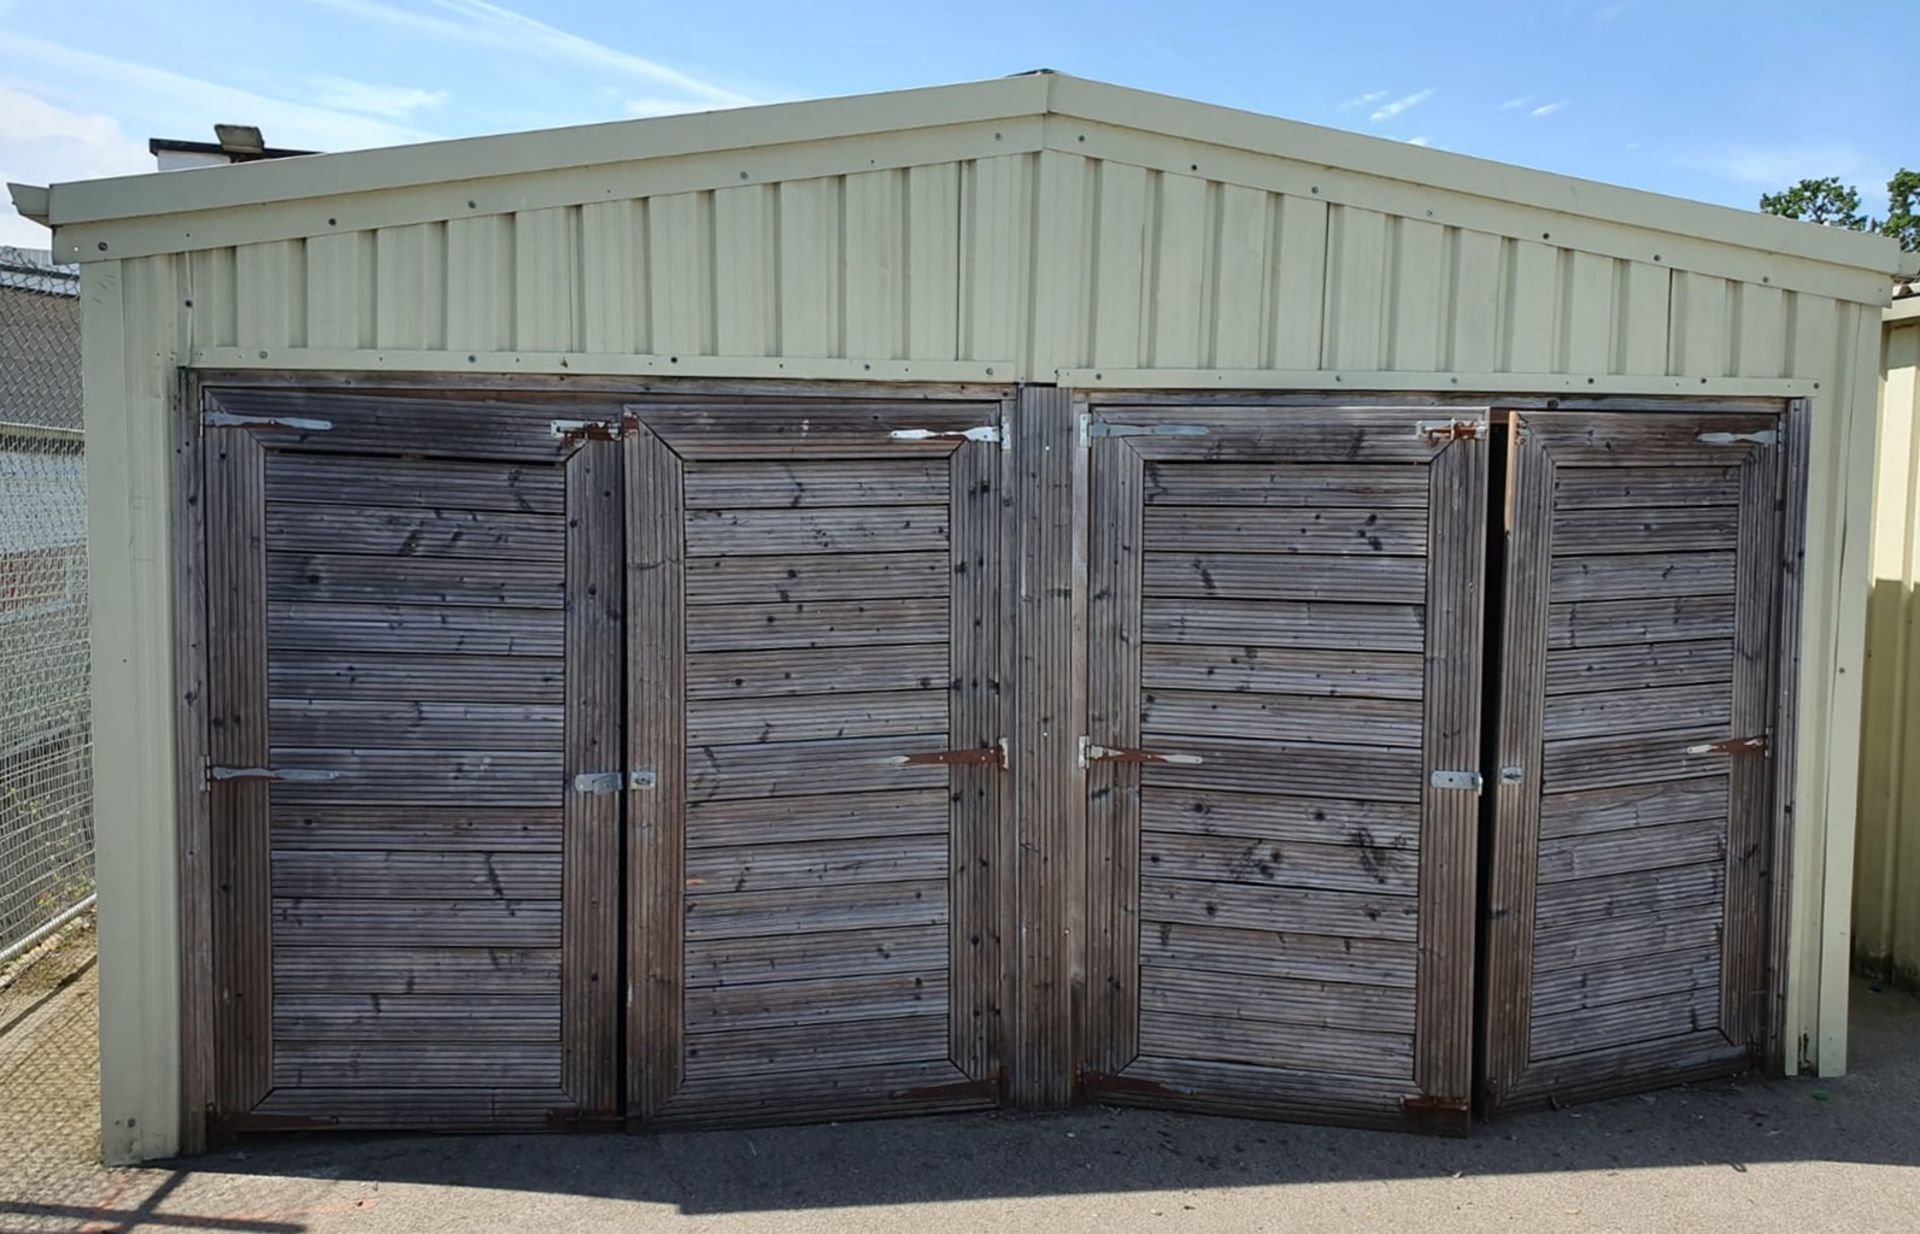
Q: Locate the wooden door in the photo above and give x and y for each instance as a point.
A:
(413, 640)
(1285, 624)
(817, 857)
(1631, 859)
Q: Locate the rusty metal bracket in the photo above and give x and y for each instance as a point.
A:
(281, 775)
(1733, 745)
(1763, 437)
(1091, 754)
(978, 756)
(573, 432)
(1437, 432)
(226, 419)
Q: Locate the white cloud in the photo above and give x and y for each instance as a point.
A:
(1402, 104)
(1362, 100)
(492, 25)
(41, 142)
(1547, 109)
(1515, 104)
(1775, 167)
(174, 105)
(363, 96)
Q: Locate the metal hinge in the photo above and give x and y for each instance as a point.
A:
(226, 419)
(601, 782)
(1733, 745)
(1091, 754)
(282, 775)
(1764, 437)
(1469, 781)
(1437, 431)
(984, 432)
(587, 430)
(977, 756)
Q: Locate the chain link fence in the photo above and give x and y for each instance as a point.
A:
(46, 794)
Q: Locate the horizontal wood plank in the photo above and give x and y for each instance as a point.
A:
(1283, 671)
(832, 623)
(1276, 953)
(822, 1003)
(1632, 621)
(395, 724)
(465, 1019)
(1644, 848)
(1617, 1024)
(807, 579)
(1283, 623)
(1282, 576)
(1641, 576)
(425, 777)
(870, 906)
(1336, 531)
(1631, 894)
(307, 874)
(815, 956)
(539, 681)
(489, 923)
(1288, 769)
(1582, 943)
(1601, 810)
(327, 577)
(432, 828)
(413, 533)
(1290, 910)
(800, 484)
(816, 530)
(422, 484)
(428, 629)
(811, 717)
(1284, 717)
(799, 768)
(1244, 996)
(1276, 863)
(1649, 709)
(1577, 763)
(1642, 529)
(1310, 820)
(410, 969)
(1368, 486)
(1638, 666)
(1623, 980)
(818, 671)
(1600, 488)
(821, 863)
(805, 1047)
(1336, 1051)
(415, 1064)
(825, 816)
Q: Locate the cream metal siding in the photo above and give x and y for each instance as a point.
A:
(1886, 915)
(1035, 229)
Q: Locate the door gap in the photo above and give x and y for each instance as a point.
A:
(1491, 675)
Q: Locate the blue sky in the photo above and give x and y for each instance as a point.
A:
(1715, 100)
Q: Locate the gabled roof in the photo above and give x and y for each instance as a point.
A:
(1044, 95)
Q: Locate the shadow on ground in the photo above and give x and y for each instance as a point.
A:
(1738, 1150)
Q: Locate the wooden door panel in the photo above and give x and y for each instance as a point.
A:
(412, 657)
(1285, 611)
(814, 687)
(1627, 927)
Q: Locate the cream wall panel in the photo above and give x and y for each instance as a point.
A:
(876, 261)
(746, 315)
(213, 294)
(1119, 285)
(1760, 331)
(1241, 266)
(1182, 234)
(480, 270)
(1587, 313)
(1700, 322)
(615, 306)
(996, 237)
(270, 294)
(1420, 295)
(1532, 308)
(410, 286)
(680, 245)
(1299, 282)
(1357, 263)
(1643, 301)
(548, 298)
(340, 290)
(1062, 255)
(932, 292)
(810, 268)
(1479, 282)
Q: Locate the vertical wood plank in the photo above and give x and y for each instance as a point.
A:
(1357, 265)
(1240, 264)
(933, 262)
(975, 720)
(1299, 284)
(1113, 788)
(1786, 759)
(237, 737)
(1516, 830)
(548, 295)
(680, 263)
(189, 770)
(1419, 296)
(1743, 988)
(590, 873)
(340, 290)
(1050, 708)
(656, 741)
(480, 283)
(1450, 819)
(810, 267)
(613, 277)
(1119, 264)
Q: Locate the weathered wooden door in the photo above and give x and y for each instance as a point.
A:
(817, 848)
(413, 619)
(1626, 936)
(1285, 623)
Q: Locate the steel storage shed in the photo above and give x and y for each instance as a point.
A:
(991, 593)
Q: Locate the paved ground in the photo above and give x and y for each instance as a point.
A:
(1748, 1155)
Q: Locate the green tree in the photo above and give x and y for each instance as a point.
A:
(1826, 202)
(1903, 209)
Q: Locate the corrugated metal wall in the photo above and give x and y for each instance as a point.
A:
(1886, 913)
(1025, 248)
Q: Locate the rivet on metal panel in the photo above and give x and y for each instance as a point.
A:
(226, 419)
(1764, 437)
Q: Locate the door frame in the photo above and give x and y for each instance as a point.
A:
(1508, 850)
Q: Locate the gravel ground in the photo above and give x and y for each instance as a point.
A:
(1744, 1155)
